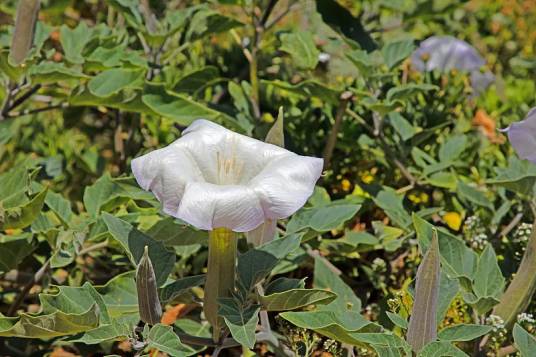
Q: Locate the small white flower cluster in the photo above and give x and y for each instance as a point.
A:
(525, 318)
(471, 223)
(496, 322)
(479, 241)
(522, 233)
(379, 265)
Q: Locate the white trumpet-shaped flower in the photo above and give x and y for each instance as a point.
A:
(212, 177)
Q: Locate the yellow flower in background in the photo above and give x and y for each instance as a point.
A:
(453, 220)
(346, 185)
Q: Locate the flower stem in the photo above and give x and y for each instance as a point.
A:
(220, 280)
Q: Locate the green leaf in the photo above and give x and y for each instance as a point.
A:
(301, 47)
(205, 22)
(402, 126)
(519, 176)
(60, 206)
(134, 241)
(197, 79)
(524, 341)
(473, 195)
(257, 263)
(23, 36)
(23, 216)
(163, 338)
(75, 300)
(408, 91)
(489, 281)
(240, 321)
(48, 326)
(422, 327)
(13, 250)
(115, 331)
(327, 218)
(13, 186)
(397, 320)
(120, 296)
(180, 286)
(385, 344)
(441, 349)
(458, 260)
(106, 191)
(113, 80)
(448, 290)
(391, 203)
(306, 89)
(463, 332)
(295, 298)
(324, 278)
(340, 326)
(52, 72)
(183, 110)
(397, 51)
(172, 233)
(452, 148)
(443, 179)
(74, 40)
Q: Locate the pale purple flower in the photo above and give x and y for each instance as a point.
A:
(213, 177)
(445, 53)
(522, 136)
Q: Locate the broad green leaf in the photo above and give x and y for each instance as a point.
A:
(441, 349)
(163, 338)
(49, 326)
(134, 241)
(114, 331)
(422, 327)
(472, 194)
(443, 179)
(240, 321)
(256, 264)
(458, 260)
(13, 186)
(519, 176)
(74, 40)
(283, 284)
(113, 80)
(327, 218)
(463, 332)
(120, 296)
(342, 327)
(23, 216)
(306, 89)
(448, 289)
(295, 298)
(13, 250)
(198, 79)
(385, 344)
(207, 22)
(524, 341)
(60, 206)
(397, 51)
(452, 148)
(346, 299)
(489, 281)
(23, 35)
(106, 191)
(391, 203)
(397, 320)
(301, 47)
(180, 286)
(75, 300)
(402, 126)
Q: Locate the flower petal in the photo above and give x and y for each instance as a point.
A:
(285, 184)
(262, 234)
(165, 172)
(522, 135)
(445, 53)
(208, 206)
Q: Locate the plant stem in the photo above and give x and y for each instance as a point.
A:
(332, 139)
(221, 270)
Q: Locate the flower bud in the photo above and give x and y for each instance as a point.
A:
(148, 301)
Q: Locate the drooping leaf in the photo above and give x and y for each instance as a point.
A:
(240, 321)
(197, 79)
(295, 298)
(119, 295)
(163, 338)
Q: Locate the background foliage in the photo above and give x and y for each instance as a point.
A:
(101, 82)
